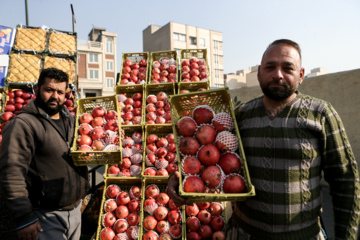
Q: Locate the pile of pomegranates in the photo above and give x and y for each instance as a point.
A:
(193, 70)
(132, 155)
(158, 109)
(121, 213)
(209, 152)
(134, 72)
(163, 71)
(161, 159)
(205, 221)
(162, 218)
(98, 130)
(131, 108)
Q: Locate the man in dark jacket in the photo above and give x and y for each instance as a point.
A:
(38, 180)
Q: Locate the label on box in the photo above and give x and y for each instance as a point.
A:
(3, 71)
(6, 39)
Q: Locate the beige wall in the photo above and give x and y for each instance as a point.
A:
(341, 89)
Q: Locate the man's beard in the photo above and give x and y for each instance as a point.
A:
(277, 93)
(46, 105)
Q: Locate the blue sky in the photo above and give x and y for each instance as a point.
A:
(327, 30)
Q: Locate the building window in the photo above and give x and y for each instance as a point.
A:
(179, 37)
(109, 83)
(109, 45)
(193, 40)
(216, 58)
(216, 44)
(90, 95)
(217, 74)
(109, 66)
(94, 74)
(93, 58)
(202, 42)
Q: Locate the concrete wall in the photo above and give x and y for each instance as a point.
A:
(341, 89)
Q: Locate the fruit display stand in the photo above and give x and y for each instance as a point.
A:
(153, 90)
(162, 185)
(158, 61)
(135, 58)
(125, 184)
(129, 91)
(187, 55)
(132, 152)
(86, 105)
(220, 101)
(161, 131)
(12, 87)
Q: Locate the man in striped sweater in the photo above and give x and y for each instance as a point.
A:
(289, 139)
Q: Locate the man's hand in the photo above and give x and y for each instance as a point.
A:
(173, 184)
(30, 232)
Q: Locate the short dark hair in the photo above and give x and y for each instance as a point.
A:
(53, 73)
(286, 42)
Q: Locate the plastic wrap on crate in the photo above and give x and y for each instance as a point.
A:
(67, 65)
(220, 101)
(62, 42)
(24, 68)
(30, 39)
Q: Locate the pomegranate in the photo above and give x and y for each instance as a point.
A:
(203, 114)
(98, 145)
(218, 235)
(150, 172)
(97, 122)
(112, 191)
(111, 115)
(134, 205)
(85, 129)
(165, 236)
(162, 142)
(172, 167)
(120, 226)
(151, 148)
(174, 217)
(209, 155)
(171, 138)
(205, 232)
(226, 142)
(192, 210)
(125, 163)
(109, 219)
(97, 133)
(112, 125)
(206, 134)
(125, 173)
(217, 223)
(189, 146)
(194, 184)
(171, 147)
(204, 205)
(161, 152)
(191, 165)
(121, 212)
(98, 112)
(113, 170)
(82, 140)
(152, 191)
(133, 219)
(160, 213)
(172, 205)
(110, 205)
(192, 224)
(175, 230)
(150, 223)
(10, 108)
(230, 163)
(204, 217)
(211, 176)
(216, 209)
(135, 192)
(193, 236)
(186, 127)
(123, 198)
(223, 122)
(150, 235)
(107, 234)
(162, 199)
(162, 226)
(233, 183)
(85, 148)
(6, 116)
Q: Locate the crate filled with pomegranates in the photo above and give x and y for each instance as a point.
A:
(130, 101)
(163, 67)
(131, 154)
(134, 68)
(161, 218)
(120, 211)
(160, 159)
(157, 108)
(97, 137)
(209, 148)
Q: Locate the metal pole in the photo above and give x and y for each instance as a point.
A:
(73, 17)
(26, 13)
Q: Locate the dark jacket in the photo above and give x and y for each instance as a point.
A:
(36, 169)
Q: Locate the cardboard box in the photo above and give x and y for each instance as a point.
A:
(6, 39)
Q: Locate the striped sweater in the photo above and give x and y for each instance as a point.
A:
(285, 157)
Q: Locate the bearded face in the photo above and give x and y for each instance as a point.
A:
(278, 90)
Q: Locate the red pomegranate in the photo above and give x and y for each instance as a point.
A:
(203, 114)
(209, 155)
(216, 209)
(135, 192)
(120, 226)
(192, 210)
(150, 235)
(193, 236)
(121, 212)
(226, 142)
(189, 146)
(223, 122)
(160, 213)
(194, 184)
(192, 224)
(191, 165)
(204, 217)
(162, 199)
(150, 223)
(112, 191)
(217, 223)
(205, 232)
(112, 125)
(206, 134)
(86, 118)
(134, 205)
(233, 183)
(172, 167)
(186, 127)
(133, 219)
(150, 172)
(85, 129)
(152, 191)
(109, 219)
(175, 230)
(211, 176)
(174, 217)
(152, 138)
(123, 198)
(110, 205)
(97, 133)
(98, 112)
(111, 115)
(218, 235)
(172, 205)
(107, 234)
(97, 122)
(204, 205)
(98, 145)
(165, 236)
(162, 226)
(230, 163)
